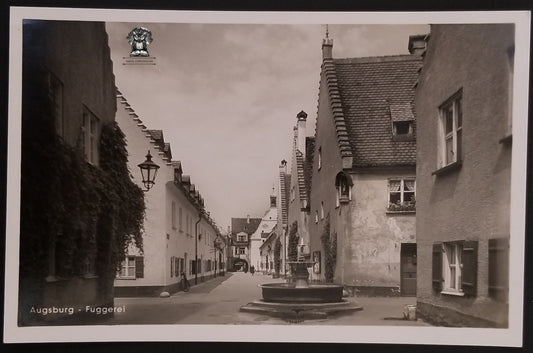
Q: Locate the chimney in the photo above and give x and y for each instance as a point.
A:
(283, 167)
(248, 219)
(417, 44)
(327, 46)
(302, 118)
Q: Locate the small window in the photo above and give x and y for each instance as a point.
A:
(451, 131)
(401, 195)
(240, 251)
(241, 237)
(89, 138)
(316, 216)
(455, 268)
(127, 268)
(173, 215)
(180, 219)
(319, 158)
(402, 130)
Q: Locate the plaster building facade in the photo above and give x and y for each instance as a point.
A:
(239, 242)
(66, 102)
(267, 224)
(267, 252)
(179, 234)
(363, 174)
(464, 109)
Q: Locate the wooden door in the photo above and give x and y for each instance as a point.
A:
(408, 269)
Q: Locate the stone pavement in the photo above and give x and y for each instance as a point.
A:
(218, 301)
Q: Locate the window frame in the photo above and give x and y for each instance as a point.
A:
(125, 264)
(452, 267)
(403, 206)
(90, 131)
(455, 105)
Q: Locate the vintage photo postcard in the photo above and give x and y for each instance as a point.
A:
(204, 176)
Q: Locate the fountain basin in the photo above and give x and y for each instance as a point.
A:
(289, 293)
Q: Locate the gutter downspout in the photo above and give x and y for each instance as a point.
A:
(196, 248)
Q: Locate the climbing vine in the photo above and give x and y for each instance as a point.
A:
(76, 218)
(292, 247)
(277, 256)
(329, 243)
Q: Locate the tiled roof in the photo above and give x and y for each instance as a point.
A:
(284, 185)
(402, 112)
(302, 187)
(241, 225)
(365, 91)
(308, 165)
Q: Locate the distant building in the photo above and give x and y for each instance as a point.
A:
(267, 252)
(463, 104)
(362, 210)
(180, 236)
(239, 241)
(268, 222)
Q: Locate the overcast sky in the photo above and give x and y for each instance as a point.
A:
(226, 97)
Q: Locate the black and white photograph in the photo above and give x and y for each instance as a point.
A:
(329, 177)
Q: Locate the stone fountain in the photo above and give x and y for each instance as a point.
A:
(300, 300)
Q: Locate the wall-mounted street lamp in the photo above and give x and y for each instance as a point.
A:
(148, 171)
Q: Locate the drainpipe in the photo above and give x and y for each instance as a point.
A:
(196, 248)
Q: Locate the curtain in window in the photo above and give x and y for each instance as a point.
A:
(394, 185)
(409, 185)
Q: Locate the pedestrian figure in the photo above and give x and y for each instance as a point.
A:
(252, 270)
(185, 282)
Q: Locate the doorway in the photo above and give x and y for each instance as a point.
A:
(408, 269)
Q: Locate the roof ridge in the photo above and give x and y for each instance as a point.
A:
(378, 59)
(343, 141)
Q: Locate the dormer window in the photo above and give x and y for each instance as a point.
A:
(402, 128)
(402, 119)
(343, 186)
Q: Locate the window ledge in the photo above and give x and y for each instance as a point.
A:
(454, 293)
(400, 212)
(507, 139)
(126, 278)
(448, 168)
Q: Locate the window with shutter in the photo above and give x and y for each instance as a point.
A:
(139, 267)
(469, 279)
(437, 267)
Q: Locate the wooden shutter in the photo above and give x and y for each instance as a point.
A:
(139, 267)
(469, 271)
(437, 267)
(499, 268)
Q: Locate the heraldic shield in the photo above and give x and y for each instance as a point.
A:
(139, 38)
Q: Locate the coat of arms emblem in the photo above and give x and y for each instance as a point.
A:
(139, 38)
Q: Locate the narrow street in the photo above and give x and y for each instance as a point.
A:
(218, 301)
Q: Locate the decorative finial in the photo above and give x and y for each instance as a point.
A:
(327, 32)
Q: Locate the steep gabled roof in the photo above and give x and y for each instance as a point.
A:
(364, 92)
(302, 186)
(308, 164)
(242, 225)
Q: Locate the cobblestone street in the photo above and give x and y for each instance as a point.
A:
(218, 301)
